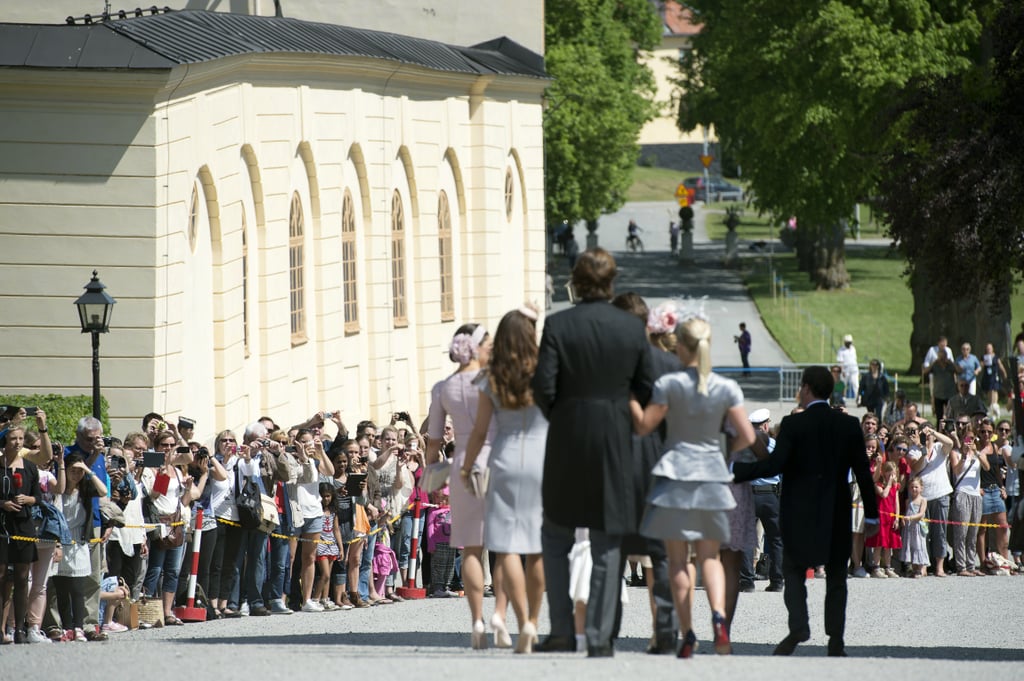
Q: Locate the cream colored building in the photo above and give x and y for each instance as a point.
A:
(661, 140)
(290, 218)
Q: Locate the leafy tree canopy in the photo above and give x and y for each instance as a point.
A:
(956, 199)
(600, 98)
(797, 89)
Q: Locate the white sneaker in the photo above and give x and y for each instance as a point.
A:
(244, 610)
(860, 572)
(328, 605)
(36, 636)
(312, 606)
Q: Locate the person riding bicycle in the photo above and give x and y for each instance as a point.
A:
(633, 239)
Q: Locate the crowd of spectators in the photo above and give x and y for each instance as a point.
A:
(309, 518)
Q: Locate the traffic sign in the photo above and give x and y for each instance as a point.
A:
(706, 160)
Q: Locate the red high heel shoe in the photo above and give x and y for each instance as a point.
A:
(722, 644)
(689, 646)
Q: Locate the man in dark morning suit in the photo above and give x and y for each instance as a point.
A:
(814, 451)
(591, 358)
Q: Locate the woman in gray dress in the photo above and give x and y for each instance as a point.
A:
(513, 517)
(690, 497)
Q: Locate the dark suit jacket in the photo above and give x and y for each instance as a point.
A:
(814, 451)
(591, 357)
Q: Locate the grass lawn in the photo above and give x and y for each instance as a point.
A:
(752, 227)
(655, 184)
(876, 309)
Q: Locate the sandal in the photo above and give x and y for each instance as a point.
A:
(172, 621)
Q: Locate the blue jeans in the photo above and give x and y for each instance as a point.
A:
(253, 558)
(366, 566)
(279, 569)
(166, 562)
(405, 547)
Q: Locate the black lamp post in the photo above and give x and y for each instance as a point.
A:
(94, 308)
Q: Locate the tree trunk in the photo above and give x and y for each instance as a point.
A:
(830, 258)
(976, 319)
(805, 236)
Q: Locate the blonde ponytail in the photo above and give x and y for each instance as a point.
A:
(695, 334)
(703, 364)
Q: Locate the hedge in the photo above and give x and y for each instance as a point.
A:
(62, 413)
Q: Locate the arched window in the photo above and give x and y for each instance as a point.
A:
(444, 251)
(245, 286)
(348, 264)
(295, 270)
(193, 218)
(398, 302)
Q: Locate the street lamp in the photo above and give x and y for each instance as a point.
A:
(94, 308)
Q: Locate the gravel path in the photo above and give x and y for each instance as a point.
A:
(928, 629)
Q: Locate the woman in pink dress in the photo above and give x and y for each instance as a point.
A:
(458, 396)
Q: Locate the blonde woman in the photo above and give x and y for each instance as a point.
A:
(690, 498)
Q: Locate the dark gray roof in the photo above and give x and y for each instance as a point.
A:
(163, 41)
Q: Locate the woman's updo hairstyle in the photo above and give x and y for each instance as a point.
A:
(466, 342)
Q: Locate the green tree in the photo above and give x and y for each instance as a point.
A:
(798, 89)
(956, 199)
(599, 99)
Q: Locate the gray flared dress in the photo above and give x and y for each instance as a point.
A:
(690, 497)
(513, 506)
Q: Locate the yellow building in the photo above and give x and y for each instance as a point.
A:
(292, 216)
(662, 143)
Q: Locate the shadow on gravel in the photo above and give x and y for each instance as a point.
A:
(419, 643)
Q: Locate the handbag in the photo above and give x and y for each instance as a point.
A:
(249, 503)
(435, 476)
(111, 513)
(170, 531)
(151, 612)
(269, 517)
(478, 480)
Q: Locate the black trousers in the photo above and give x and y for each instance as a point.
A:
(766, 508)
(795, 596)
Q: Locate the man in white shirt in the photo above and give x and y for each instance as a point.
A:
(940, 347)
(846, 357)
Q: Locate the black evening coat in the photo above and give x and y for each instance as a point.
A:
(814, 451)
(591, 357)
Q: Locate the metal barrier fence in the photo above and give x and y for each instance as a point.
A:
(766, 384)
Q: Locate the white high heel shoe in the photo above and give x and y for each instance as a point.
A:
(501, 635)
(478, 639)
(527, 638)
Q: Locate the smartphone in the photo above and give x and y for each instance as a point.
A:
(183, 450)
(152, 459)
(354, 484)
(31, 411)
(291, 449)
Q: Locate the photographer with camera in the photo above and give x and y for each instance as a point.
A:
(396, 484)
(305, 489)
(89, 442)
(204, 468)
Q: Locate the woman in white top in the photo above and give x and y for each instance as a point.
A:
(165, 486)
(966, 506)
(223, 574)
(309, 452)
(928, 451)
(75, 566)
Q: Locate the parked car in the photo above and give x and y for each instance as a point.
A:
(718, 189)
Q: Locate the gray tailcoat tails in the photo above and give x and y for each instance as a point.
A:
(591, 357)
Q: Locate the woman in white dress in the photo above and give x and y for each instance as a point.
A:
(516, 462)
(690, 498)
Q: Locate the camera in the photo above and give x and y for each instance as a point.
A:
(202, 453)
(57, 449)
(107, 441)
(291, 449)
(327, 415)
(403, 416)
(31, 411)
(265, 442)
(119, 462)
(183, 450)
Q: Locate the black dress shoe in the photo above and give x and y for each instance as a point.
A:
(663, 646)
(788, 645)
(836, 648)
(774, 587)
(600, 651)
(746, 588)
(556, 644)
(259, 611)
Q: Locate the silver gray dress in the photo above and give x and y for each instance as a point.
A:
(690, 496)
(514, 511)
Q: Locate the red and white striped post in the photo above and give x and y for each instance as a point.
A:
(409, 589)
(190, 613)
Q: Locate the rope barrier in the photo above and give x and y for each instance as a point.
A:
(943, 522)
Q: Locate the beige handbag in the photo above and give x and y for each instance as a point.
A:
(271, 519)
(151, 612)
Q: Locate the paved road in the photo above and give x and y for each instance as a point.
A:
(925, 629)
(657, 276)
